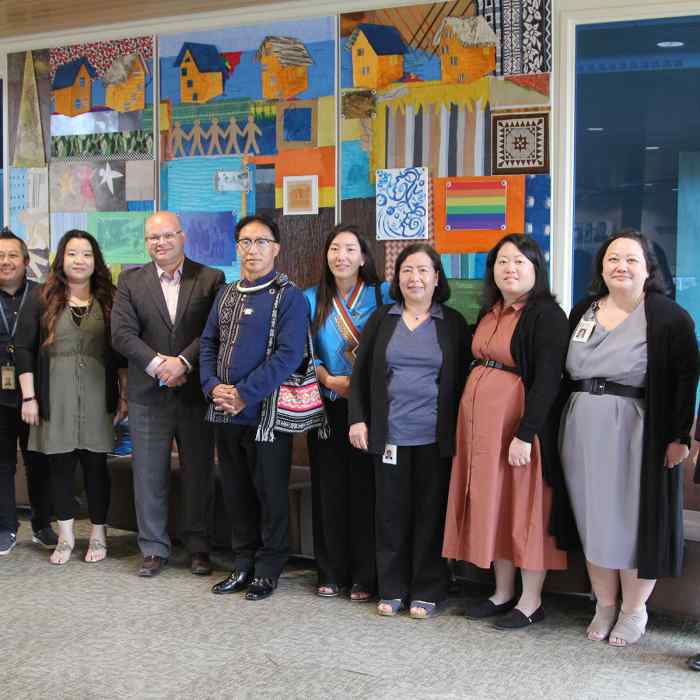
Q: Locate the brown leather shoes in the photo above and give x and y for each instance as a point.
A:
(201, 564)
(152, 566)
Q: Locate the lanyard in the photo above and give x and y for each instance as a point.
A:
(9, 332)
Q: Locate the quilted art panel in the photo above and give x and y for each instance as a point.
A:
(402, 204)
(473, 213)
(520, 143)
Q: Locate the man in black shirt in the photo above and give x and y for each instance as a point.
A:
(14, 289)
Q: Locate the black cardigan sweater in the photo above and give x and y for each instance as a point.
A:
(31, 355)
(369, 401)
(672, 375)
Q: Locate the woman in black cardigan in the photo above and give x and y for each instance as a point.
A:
(632, 365)
(502, 475)
(70, 388)
(409, 374)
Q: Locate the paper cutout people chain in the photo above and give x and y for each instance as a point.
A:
(215, 135)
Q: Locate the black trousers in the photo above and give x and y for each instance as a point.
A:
(255, 484)
(12, 428)
(96, 477)
(342, 492)
(411, 505)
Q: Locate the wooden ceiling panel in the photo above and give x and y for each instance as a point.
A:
(22, 17)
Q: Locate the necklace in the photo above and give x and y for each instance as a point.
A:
(257, 288)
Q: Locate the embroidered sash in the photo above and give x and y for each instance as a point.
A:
(343, 321)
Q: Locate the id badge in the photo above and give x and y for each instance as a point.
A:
(583, 331)
(389, 456)
(8, 377)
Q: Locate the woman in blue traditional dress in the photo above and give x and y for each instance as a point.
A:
(342, 478)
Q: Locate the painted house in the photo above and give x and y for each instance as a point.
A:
(467, 49)
(284, 65)
(71, 89)
(125, 82)
(377, 55)
(202, 71)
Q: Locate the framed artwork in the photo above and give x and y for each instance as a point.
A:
(520, 143)
(402, 204)
(473, 213)
(300, 194)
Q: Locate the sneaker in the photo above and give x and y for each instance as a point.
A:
(8, 540)
(46, 537)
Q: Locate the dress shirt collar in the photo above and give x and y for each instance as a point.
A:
(177, 275)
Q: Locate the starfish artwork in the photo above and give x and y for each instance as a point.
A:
(108, 176)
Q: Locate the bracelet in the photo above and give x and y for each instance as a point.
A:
(29, 398)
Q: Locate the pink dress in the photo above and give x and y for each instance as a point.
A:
(496, 511)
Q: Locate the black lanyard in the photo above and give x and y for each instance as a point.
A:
(11, 333)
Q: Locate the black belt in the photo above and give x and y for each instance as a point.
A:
(495, 365)
(600, 386)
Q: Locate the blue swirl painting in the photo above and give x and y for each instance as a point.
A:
(402, 204)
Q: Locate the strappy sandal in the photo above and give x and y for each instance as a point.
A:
(392, 606)
(602, 622)
(328, 590)
(359, 594)
(61, 549)
(96, 546)
(629, 628)
(422, 609)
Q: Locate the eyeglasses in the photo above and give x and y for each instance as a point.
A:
(262, 244)
(168, 237)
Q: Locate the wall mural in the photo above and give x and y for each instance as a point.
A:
(442, 111)
(248, 125)
(81, 146)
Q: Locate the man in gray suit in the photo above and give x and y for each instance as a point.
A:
(158, 316)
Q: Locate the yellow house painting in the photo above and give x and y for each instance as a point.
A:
(467, 49)
(284, 65)
(71, 87)
(377, 55)
(125, 83)
(202, 71)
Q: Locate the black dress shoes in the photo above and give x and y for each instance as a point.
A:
(151, 566)
(516, 620)
(236, 581)
(487, 608)
(201, 564)
(261, 588)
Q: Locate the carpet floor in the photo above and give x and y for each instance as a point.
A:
(85, 631)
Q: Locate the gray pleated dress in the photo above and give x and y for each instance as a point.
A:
(601, 441)
(77, 392)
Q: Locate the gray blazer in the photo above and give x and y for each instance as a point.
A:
(141, 325)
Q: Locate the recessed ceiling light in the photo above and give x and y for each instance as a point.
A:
(652, 148)
(670, 44)
(594, 128)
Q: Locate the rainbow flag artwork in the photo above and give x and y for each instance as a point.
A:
(475, 205)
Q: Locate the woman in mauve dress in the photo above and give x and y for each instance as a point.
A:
(500, 497)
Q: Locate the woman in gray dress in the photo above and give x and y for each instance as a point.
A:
(632, 367)
(73, 384)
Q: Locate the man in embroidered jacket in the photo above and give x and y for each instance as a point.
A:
(239, 369)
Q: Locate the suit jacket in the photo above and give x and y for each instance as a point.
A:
(141, 326)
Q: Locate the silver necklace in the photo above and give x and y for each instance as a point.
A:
(257, 288)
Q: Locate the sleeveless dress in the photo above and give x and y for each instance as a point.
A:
(496, 511)
(77, 391)
(601, 441)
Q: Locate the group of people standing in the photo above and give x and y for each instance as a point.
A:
(505, 444)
